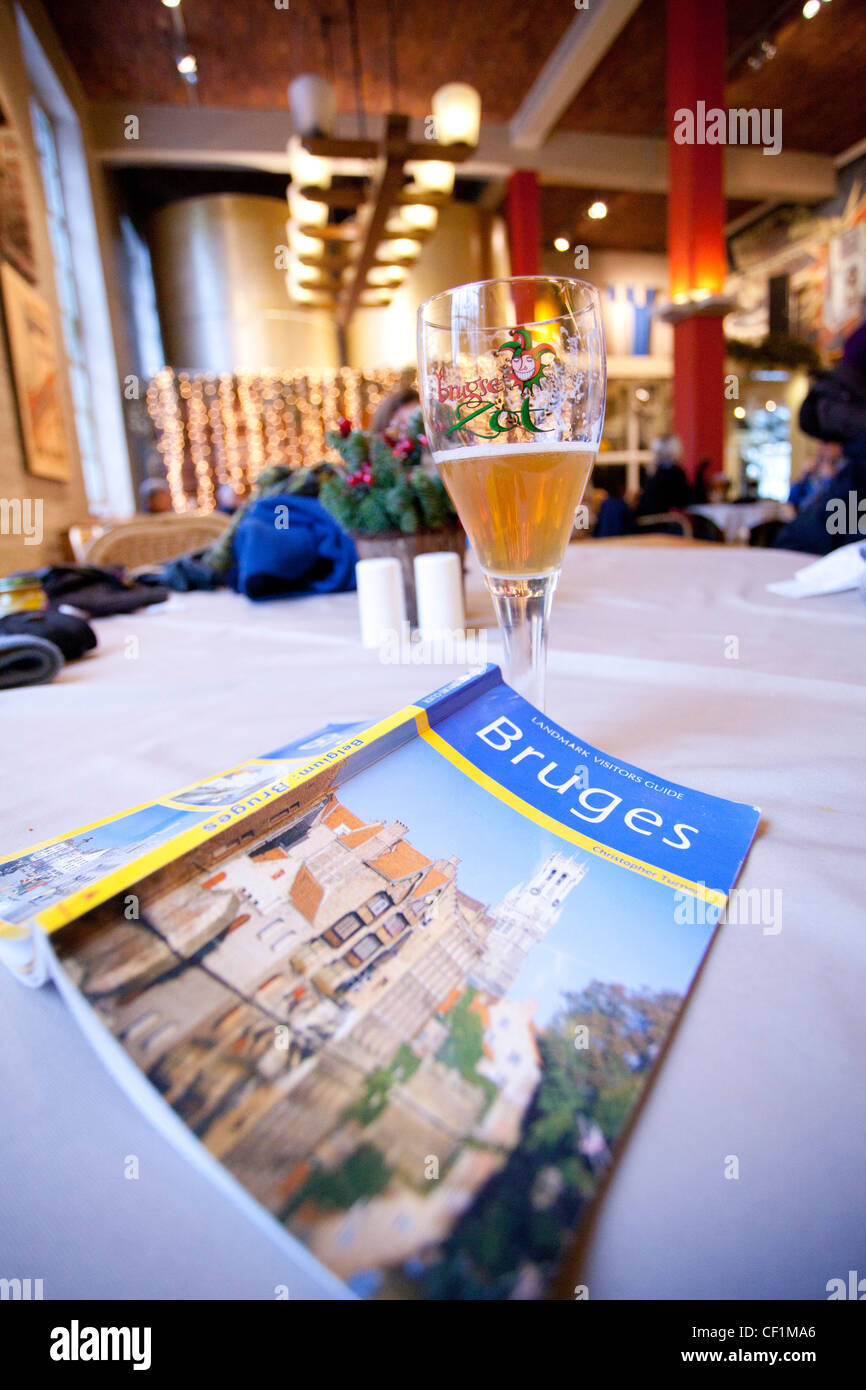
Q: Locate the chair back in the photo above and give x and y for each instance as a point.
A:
(675, 523)
(154, 540)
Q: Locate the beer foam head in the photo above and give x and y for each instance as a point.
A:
(496, 448)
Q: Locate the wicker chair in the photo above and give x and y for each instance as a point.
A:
(674, 523)
(83, 536)
(153, 540)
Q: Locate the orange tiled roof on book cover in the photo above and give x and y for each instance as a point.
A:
(306, 893)
(350, 828)
(400, 861)
(432, 879)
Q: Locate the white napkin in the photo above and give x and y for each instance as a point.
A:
(844, 568)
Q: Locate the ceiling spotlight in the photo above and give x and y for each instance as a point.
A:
(770, 405)
(755, 62)
(740, 412)
(642, 393)
(561, 243)
(597, 210)
(171, 4)
(768, 49)
(811, 8)
(187, 65)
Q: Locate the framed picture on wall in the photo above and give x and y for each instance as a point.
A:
(16, 241)
(35, 370)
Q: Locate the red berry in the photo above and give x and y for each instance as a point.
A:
(345, 427)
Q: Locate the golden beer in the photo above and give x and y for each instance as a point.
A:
(517, 502)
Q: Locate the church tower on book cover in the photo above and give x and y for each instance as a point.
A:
(523, 918)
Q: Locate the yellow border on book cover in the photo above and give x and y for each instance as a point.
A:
(74, 906)
(68, 909)
(565, 832)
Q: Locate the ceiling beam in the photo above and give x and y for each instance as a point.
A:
(209, 137)
(576, 56)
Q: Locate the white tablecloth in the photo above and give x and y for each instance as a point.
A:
(735, 517)
(671, 656)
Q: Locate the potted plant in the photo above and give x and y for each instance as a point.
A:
(388, 500)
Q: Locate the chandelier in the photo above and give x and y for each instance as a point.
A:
(351, 245)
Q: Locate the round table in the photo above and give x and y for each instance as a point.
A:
(672, 656)
(734, 518)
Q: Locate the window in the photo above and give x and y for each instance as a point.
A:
(378, 903)
(366, 947)
(81, 282)
(137, 1031)
(67, 294)
(343, 929)
(160, 1037)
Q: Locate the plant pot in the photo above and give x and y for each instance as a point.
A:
(404, 547)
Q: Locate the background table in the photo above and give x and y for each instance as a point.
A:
(734, 517)
(671, 656)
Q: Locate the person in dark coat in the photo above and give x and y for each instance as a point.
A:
(700, 492)
(835, 409)
(614, 515)
(826, 463)
(666, 487)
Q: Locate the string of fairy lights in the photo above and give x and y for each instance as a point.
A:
(222, 428)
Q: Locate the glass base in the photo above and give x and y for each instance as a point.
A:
(522, 607)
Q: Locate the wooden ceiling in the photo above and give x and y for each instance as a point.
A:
(815, 61)
(817, 79)
(634, 222)
(248, 53)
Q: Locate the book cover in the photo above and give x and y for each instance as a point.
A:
(409, 993)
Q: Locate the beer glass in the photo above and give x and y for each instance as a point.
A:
(511, 375)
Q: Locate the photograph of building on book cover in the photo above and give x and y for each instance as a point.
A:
(421, 1083)
(35, 880)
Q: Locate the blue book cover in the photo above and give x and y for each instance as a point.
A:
(408, 993)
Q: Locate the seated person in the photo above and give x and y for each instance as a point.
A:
(154, 496)
(825, 464)
(835, 410)
(227, 499)
(666, 488)
(614, 515)
(700, 492)
(395, 411)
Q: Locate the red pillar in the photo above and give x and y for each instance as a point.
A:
(524, 222)
(696, 217)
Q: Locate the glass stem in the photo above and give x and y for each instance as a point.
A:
(522, 610)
